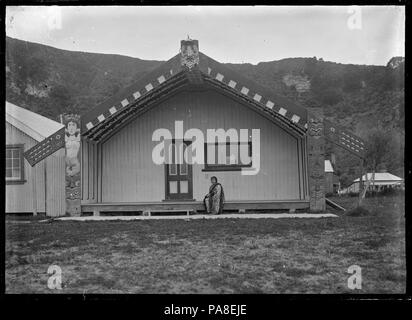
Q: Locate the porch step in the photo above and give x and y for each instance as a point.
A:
(191, 206)
(203, 216)
(149, 212)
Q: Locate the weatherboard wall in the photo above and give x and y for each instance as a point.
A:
(43, 188)
(89, 172)
(121, 169)
(55, 184)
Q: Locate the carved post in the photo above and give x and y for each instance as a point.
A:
(316, 160)
(73, 163)
(361, 184)
(189, 53)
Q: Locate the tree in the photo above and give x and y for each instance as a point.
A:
(380, 150)
(61, 98)
(37, 69)
(345, 179)
(352, 80)
(310, 66)
(28, 66)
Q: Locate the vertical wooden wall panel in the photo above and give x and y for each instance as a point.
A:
(129, 174)
(89, 177)
(20, 197)
(55, 184)
(85, 174)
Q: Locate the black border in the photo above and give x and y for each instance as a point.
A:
(258, 305)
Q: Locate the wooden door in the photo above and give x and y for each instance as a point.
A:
(179, 181)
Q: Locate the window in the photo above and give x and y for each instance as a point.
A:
(14, 164)
(227, 156)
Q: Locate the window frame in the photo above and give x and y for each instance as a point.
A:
(22, 177)
(226, 167)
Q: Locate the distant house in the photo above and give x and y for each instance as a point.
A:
(331, 179)
(38, 189)
(383, 180)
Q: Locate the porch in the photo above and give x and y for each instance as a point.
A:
(147, 208)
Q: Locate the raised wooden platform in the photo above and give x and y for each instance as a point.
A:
(199, 217)
(188, 206)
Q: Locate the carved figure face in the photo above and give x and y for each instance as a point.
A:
(72, 127)
(190, 55)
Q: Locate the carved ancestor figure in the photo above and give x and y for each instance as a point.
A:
(72, 139)
(316, 161)
(73, 165)
(315, 127)
(189, 53)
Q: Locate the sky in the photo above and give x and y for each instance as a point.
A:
(354, 34)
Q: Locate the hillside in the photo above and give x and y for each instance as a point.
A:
(360, 97)
(50, 81)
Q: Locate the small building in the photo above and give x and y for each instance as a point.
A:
(331, 179)
(155, 145)
(119, 138)
(382, 181)
(38, 189)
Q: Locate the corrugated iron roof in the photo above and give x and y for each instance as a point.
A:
(328, 166)
(380, 176)
(33, 124)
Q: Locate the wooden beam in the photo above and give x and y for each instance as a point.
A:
(193, 206)
(360, 156)
(95, 132)
(136, 113)
(34, 189)
(264, 111)
(334, 205)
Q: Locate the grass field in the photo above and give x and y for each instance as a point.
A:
(213, 256)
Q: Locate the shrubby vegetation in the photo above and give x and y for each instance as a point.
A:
(358, 97)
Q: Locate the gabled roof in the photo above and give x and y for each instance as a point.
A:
(31, 123)
(328, 166)
(261, 94)
(130, 94)
(380, 176)
(170, 75)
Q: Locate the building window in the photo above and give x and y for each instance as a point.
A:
(14, 164)
(227, 156)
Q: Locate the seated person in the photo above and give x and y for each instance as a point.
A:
(215, 199)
